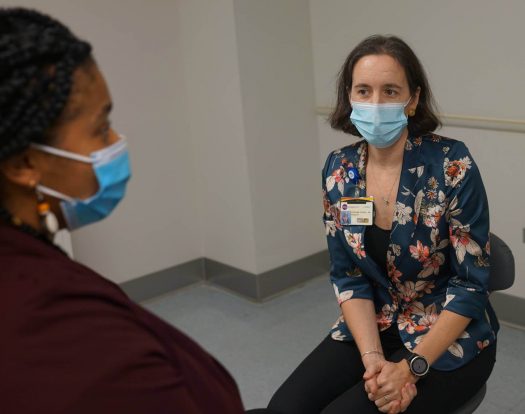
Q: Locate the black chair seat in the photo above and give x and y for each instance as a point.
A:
(473, 403)
(502, 271)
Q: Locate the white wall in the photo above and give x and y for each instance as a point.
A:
(215, 114)
(276, 71)
(474, 68)
(139, 50)
(217, 100)
(249, 71)
(472, 49)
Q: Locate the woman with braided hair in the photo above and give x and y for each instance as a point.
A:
(72, 341)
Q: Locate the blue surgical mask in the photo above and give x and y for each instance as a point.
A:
(112, 169)
(381, 125)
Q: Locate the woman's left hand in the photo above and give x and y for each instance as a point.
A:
(392, 378)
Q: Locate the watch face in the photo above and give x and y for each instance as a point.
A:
(419, 365)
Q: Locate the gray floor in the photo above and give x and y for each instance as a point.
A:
(260, 344)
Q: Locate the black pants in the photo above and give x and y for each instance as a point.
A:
(329, 381)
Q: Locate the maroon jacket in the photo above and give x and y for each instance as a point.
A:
(73, 342)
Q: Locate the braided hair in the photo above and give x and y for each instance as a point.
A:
(38, 56)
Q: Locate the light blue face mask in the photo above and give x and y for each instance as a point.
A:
(380, 124)
(112, 169)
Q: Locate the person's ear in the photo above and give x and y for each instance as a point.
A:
(412, 106)
(415, 100)
(20, 169)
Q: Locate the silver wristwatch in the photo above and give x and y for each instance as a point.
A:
(418, 365)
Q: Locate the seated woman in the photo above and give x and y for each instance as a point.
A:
(72, 341)
(411, 269)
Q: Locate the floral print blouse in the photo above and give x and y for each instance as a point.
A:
(438, 257)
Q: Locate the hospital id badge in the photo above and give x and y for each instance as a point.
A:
(357, 211)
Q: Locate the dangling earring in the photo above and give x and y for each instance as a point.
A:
(48, 220)
(411, 112)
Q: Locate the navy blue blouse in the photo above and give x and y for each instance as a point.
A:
(437, 255)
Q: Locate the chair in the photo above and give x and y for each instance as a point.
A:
(501, 277)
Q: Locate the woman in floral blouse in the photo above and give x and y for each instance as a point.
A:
(416, 332)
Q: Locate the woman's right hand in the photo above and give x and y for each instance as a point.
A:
(373, 363)
(408, 393)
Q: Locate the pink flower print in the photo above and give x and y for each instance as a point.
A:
(431, 265)
(405, 322)
(483, 344)
(431, 194)
(326, 204)
(407, 291)
(346, 163)
(455, 170)
(338, 177)
(433, 183)
(354, 240)
(393, 273)
(420, 252)
(339, 174)
(462, 243)
(384, 318)
(433, 215)
(428, 316)
(335, 213)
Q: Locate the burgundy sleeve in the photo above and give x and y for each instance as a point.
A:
(79, 347)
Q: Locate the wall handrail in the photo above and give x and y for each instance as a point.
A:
(465, 121)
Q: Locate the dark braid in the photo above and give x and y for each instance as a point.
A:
(38, 56)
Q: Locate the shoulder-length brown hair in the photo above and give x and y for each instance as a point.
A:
(425, 119)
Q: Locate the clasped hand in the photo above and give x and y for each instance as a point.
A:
(390, 385)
